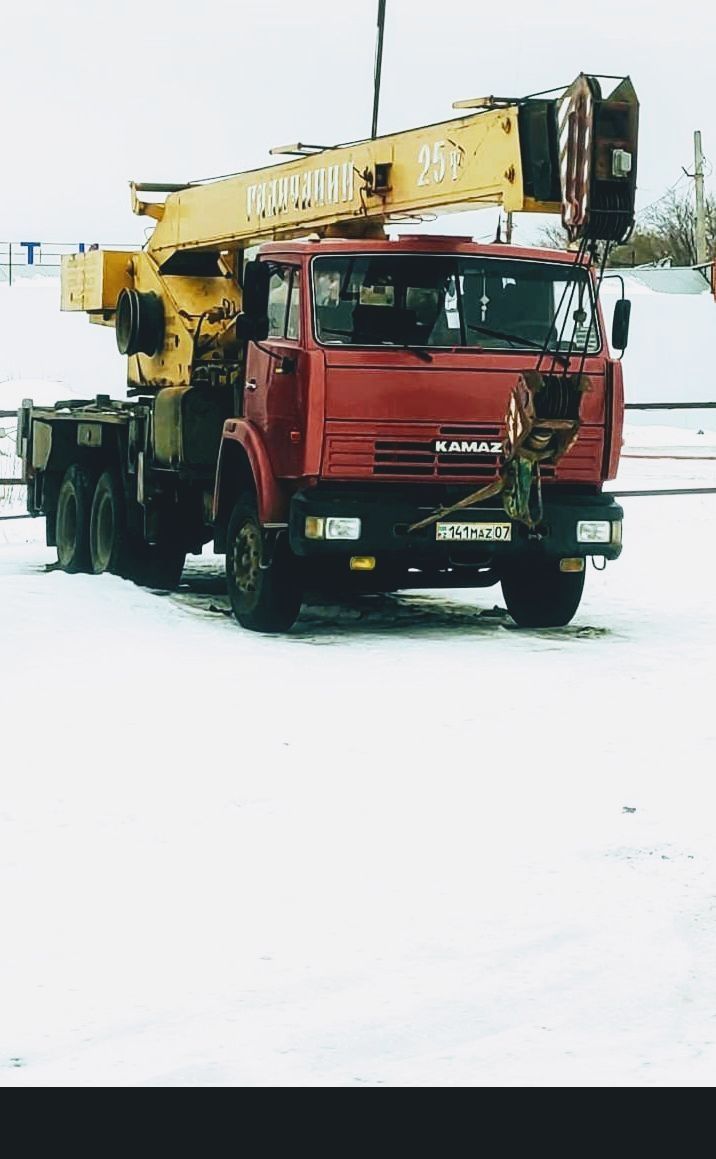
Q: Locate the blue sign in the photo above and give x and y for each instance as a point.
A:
(31, 246)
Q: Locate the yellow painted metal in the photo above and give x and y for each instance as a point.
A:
(92, 281)
(458, 164)
(185, 300)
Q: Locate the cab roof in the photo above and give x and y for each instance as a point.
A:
(417, 243)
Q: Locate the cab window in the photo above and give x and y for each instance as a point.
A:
(284, 303)
(294, 306)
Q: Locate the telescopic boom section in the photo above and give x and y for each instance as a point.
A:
(574, 154)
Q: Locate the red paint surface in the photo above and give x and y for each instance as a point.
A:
(360, 411)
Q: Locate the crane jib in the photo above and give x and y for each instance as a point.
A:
(574, 155)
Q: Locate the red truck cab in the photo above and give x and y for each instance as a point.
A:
(379, 394)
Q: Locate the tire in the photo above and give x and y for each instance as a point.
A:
(539, 595)
(107, 530)
(263, 599)
(73, 520)
(113, 549)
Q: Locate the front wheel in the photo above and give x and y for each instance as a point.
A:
(265, 593)
(539, 595)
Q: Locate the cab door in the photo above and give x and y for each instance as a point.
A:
(274, 392)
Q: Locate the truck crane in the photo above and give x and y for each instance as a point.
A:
(342, 408)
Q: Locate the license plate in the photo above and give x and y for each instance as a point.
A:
(473, 532)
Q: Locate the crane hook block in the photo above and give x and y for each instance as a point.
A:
(597, 142)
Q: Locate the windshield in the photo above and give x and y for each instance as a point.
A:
(425, 300)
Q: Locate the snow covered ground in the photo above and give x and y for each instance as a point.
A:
(406, 845)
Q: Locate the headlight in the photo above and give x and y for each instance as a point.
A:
(594, 531)
(331, 527)
(338, 527)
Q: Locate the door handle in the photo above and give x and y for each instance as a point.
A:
(251, 384)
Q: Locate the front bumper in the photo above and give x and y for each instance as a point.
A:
(385, 519)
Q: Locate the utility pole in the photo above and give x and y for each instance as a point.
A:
(378, 68)
(701, 255)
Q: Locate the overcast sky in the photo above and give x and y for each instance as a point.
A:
(95, 94)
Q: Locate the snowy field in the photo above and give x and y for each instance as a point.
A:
(407, 845)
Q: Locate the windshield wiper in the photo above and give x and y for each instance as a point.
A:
(330, 330)
(520, 339)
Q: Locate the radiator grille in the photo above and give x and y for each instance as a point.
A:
(409, 454)
(403, 457)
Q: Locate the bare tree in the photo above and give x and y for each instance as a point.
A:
(672, 224)
(553, 237)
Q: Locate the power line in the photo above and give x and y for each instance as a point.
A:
(663, 197)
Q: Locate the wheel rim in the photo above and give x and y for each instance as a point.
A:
(67, 527)
(104, 532)
(246, 558)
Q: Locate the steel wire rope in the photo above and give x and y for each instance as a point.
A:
(592, 317)
(568, 283)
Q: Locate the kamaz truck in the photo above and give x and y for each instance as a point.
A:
(334, 408)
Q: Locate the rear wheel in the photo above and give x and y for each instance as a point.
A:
(73, 519)
(107, 532)
(113, 548)
(265, 594)
(539, 595)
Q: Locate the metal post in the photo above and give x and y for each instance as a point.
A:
(378, 67)
(701, 256)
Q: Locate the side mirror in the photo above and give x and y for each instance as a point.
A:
(255, 296)
(620, 324)
(252, 324)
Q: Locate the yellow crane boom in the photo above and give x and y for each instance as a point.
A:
(515, 154)
(573, 153)
(354, 188)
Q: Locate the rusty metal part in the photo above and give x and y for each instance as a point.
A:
(486, 492)
(543, 416)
